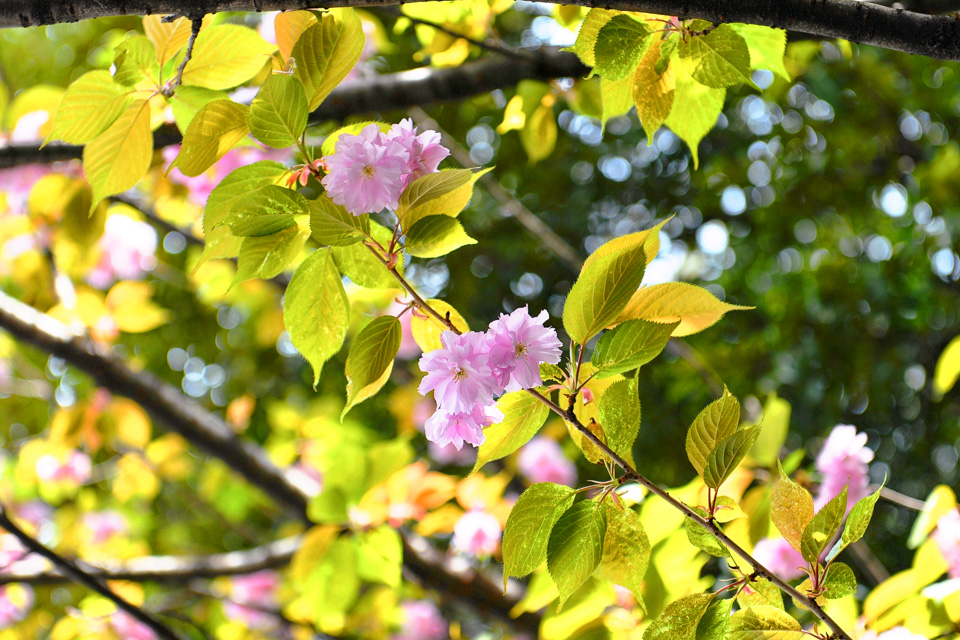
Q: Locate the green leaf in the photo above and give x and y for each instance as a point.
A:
(359, 264)
(632, 344)
(947, 371)
(238, 184)
(527, 532)
(446, 192)
(436, 236)
(225, 56)
(839, 582)
(575, 548)
(316, 311)
(679, 621)
(326, 52)
(278, 115)
(718, 59)
(760, 591)
(216, 129)
(717, 422)
(90, 104)
(819, 532)
(653, 86)
(702, 538)
(626, 549)
(695, 307)
(728, 454)
(331, 224)
(523, 415)
(619, 409)
(859, 519)
(713, 624)
(587, 36)
(620, 44)
(386, 458)
(333, 585)
(649, 239)
(115, 160)
(791, 509)
(266, 211)
(135, 60)
(700, 106)
(370, 360)
(268, 256)
(616, 98)
(776, 424)
(602, 291)
(187, 101)
(551, 373)
(767, 47)
(380, 556)
(763, 622)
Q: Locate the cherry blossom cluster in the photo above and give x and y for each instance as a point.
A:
(368, 172)
(471, 369)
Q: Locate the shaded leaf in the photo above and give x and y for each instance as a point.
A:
(620, 44)
(370, 360)
(626, 549)
(527, 532)
(819, 532)
(436, 236)
(278, 115)
(575, 548)
(717, 422)
(631, 344)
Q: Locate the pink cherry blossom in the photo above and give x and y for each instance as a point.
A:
(947, 536)
(16, 600)
(128, 247)
(11, 551)
(365, 172)
(104, 525)
(458, 373)
(422, 621)
(777, 555)
(129, 628)
(74, 468)
(518, 344)
(248, 595)
(445, 428)
(542, 460)
(425, 151)
(844, 460)
(478, 533)
(895, 633)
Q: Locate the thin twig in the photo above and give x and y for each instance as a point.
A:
(81, 577)
(196, 21)
(486, 46)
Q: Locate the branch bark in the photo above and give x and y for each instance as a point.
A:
(81, 577)
(860, 22)
(204, 430)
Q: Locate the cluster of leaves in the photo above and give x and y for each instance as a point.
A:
(677, 75)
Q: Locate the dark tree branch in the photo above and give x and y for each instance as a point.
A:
(196, 21)
(204, 430)
(170, 568)
(860, 22)
(81, 577)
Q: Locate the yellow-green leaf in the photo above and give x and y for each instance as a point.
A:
(326, 52)
(718, 59)
(288, 26)
(947, 371)
(767, 47)
(717, 422)
(727, 455)
(370, 360)
(436, 236)
(653, 91)
(763, 622)
(791, 509)
(694, 307)
(820, 530)
(680, 619)
(527, 532)
(225, 56)
(620, 44)
(523, 415)
(358, 262)
(268, 256)
(587, 35)
(278, 115)
(266, 211)
(187, 101)
(167, 37)
(629, 345)
(426, 329)
(331, 224)
(698, 108)
(626, 549)
(216, 129)
(575, 547)
(316, 311)
(445, 192)
(115, 160)
(90, 104)
(539, 133)
(136, 61)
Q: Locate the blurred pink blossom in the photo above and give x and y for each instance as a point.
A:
(28, 127)
(74, 468)
(129, 628)
(542, 460)
(128, 247)
(477, 533)
(15, 183)
(895, 633)
(16, 600)
(257, 590)
(777, 555)
(422, 621)
(844, 459)
(947, 535)
(11, 551)
(105, 524)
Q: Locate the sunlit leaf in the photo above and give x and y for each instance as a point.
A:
(528, 528)
(631, 344)
(947, 371)
(426, 329)
(446, 192)
(213, 131)
(763, 622)
(575, 548)
(90, 104)
(820, 530)
(326, 52)
(266, 211)
(278, 115)
(791, 509)
(370, 360)
(694, 307)
(727, 455)
(620, 44)
(523, 415)
(718, 59)
(331, 224)
(717, 422)
(436, 236)
(136, 61)
(626, 549)
(226, 55)
(167, 37)
(115, 160)
(680, 619)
